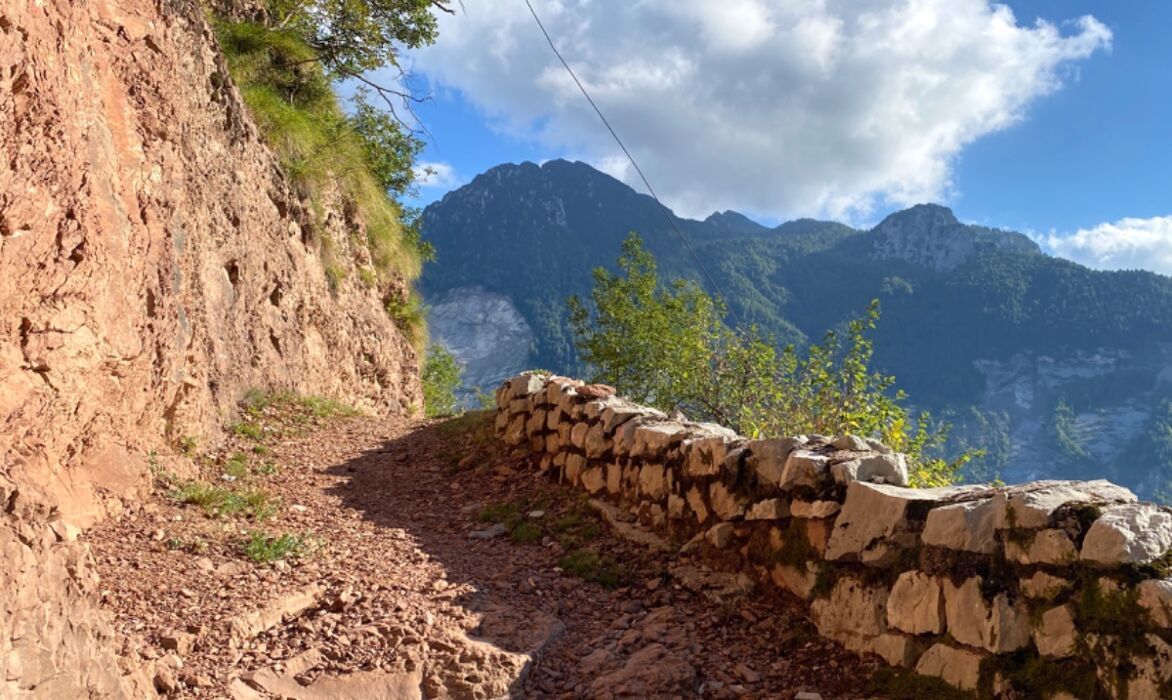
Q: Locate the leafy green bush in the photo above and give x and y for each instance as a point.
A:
(441, 379)
(669, 346)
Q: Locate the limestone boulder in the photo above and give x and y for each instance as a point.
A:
(872, 517)
(853, 614)
(997, 626)
(720, 535)
(698, 505)
(960, 668)
(614, 479)
(652, 440)
(852, 443)
(677, 507)
(804, 468)
(916, 604)
(593, 479)
(594, 408)
(798, 580)
(897, 649)
(1153, 673)
(1133, 533)
(767, 458)
(768, 509)
(844, 473)
(536, 424)
(814, 509)
(575, 464)
(1055, 634)
(1033, 505)
(704, 456)
(1155, 596)
(619, 412)
(883, 469)
(1044, 586)
(966, 527)
(578, 434)
(726, 503)
(1051, 546)
(653, 481)
(596, 443)
(515, 432)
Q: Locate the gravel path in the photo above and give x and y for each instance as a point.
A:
(405, 584)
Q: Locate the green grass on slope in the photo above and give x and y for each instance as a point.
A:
(295, 107)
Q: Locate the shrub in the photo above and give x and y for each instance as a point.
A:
(669, 345)
(441, 379)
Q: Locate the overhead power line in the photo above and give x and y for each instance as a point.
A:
(663, 209)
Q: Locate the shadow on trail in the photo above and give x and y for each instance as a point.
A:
(410, 484)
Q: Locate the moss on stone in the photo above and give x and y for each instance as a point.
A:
(1031, 676)
(902, 684)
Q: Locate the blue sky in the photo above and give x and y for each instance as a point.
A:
(1062, 130)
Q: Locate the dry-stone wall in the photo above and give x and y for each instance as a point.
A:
(1051, 589)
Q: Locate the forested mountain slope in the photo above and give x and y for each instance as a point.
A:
(1054, 368)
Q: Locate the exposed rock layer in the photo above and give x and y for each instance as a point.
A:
(154, 265)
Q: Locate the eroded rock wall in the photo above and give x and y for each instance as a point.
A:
(1032, 590)
(154, 265)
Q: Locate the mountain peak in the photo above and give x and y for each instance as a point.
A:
(932, 236)
(730, 221)
(924, 217)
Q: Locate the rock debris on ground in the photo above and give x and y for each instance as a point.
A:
(433, 565)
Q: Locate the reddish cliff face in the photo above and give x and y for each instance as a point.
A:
(153, 266)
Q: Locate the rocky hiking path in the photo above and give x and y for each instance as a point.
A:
(424, 562)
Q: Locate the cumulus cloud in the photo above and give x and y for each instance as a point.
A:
(782, 107)
(1128, 244)
(437, 174)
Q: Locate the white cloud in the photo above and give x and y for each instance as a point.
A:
(1128, 244)
(436, 174)
(785, 107)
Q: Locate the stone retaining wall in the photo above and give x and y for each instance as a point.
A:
(1051, 589)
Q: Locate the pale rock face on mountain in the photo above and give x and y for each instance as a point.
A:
(930, 235)
(1026, 386)
(484, 330)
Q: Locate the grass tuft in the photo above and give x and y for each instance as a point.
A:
(322, 154)
(589, 565)
(265, 549)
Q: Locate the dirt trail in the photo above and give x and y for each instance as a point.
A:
(406, 589)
